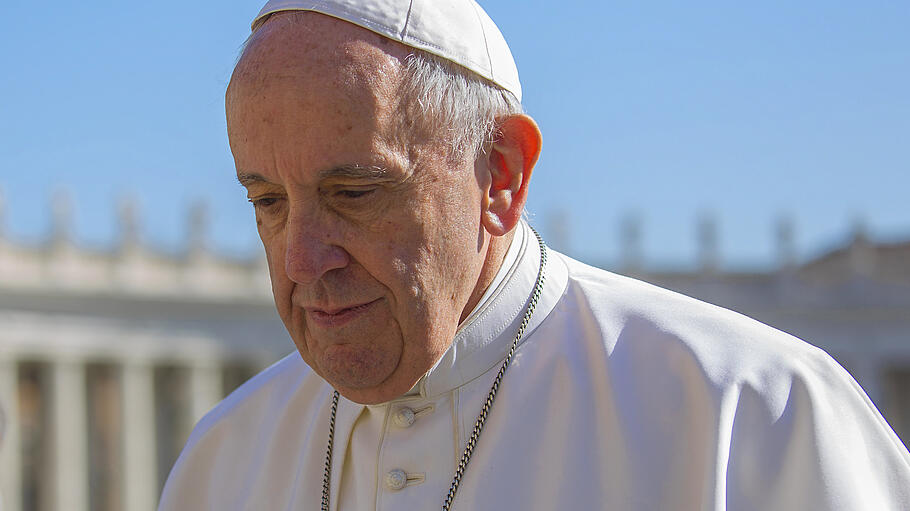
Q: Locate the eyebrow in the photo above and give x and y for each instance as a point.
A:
(349, 171)
(354, 171)
(248, 178)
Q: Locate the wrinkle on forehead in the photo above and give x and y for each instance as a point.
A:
(321, 50)
(306, 59)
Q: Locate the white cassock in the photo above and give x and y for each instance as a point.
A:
(622, 396)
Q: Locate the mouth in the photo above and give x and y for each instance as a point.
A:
(328, 318)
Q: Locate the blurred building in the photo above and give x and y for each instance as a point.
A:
(108, 358)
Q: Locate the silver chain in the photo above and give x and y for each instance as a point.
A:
(484, 412)
(328, 455)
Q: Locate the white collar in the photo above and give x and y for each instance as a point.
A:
(484, 338)
(508, 262)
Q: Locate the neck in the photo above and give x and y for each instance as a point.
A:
(495, 253)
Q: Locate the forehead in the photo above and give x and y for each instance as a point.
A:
(313, 86)
(313, 48)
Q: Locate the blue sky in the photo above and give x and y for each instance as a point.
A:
(660, 109)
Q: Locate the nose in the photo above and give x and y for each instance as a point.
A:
(312, 250)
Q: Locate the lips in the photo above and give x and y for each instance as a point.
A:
(335, 317)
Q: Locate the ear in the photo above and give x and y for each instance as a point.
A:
(512, 157)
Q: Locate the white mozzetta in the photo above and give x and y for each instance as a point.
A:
(621, 396)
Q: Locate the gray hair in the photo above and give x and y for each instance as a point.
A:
(439, 96)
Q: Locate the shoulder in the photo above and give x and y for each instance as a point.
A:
(268, 388)
(679, 372)
(253, 420)
(659, 328)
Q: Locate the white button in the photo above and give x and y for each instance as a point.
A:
(396, 479)
(404, 417)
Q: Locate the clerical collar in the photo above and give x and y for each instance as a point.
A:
(507, 263)
(507, 266)
(483, 339)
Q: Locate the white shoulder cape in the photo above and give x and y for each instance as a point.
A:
(622, 396)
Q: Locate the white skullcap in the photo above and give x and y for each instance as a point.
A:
(456, 30)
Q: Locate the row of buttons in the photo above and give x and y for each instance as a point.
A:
(397, 479)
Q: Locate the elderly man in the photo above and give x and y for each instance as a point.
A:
(445, 357)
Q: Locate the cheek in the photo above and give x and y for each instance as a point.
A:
(274, 247)
(270, 224)
(424, 286)
(282, 289)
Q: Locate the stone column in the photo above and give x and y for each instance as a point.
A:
(786, 244)
(861, 252)
(205, 388)
(140, 463)
(69, 435)
(708, 247)
(10, 455)
(630, 242)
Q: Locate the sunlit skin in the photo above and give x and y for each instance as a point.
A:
(378, 242)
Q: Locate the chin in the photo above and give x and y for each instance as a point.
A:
(356, 367)
(372, 395)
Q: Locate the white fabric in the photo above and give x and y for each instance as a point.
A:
(506, 267)
(623, 396)
(456, 30)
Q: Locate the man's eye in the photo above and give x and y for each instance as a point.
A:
(263, 203)
(353, 194)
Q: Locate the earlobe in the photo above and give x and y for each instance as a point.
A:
(511, 161)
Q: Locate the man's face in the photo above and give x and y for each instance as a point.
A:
(373, 239)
